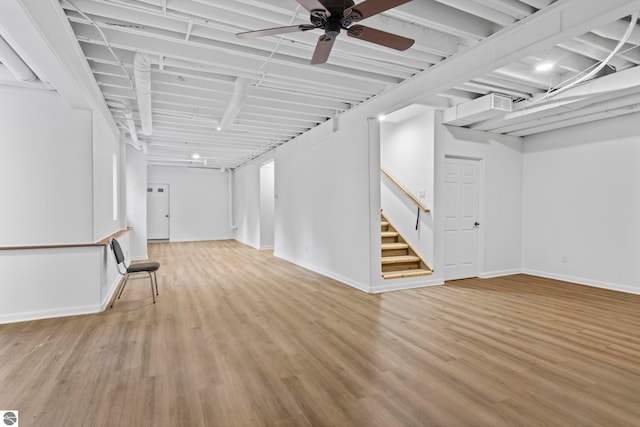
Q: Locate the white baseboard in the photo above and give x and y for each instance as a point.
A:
(339, 278)
(200, 239)
(63, 311)
(583, 281)
(262, 248)
(48, 314)
(409, 283)
(499, 273)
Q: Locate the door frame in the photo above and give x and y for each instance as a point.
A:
(481, 208)
(168, 207)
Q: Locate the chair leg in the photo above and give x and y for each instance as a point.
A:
(113, 300)
(156, 279)
(126, 279)
(151, 283)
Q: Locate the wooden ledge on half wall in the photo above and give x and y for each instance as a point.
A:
(102, 242)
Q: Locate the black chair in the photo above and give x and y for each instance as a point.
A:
(149, 268)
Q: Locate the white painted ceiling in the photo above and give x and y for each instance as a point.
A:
(196, 58)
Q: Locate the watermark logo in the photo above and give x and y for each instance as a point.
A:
(9, 418)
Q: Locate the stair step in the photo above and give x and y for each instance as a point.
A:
(406, 273)
(399, 259)
(384, 223)
(389, 234)
(392, 246)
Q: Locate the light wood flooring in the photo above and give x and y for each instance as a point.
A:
(240, 338)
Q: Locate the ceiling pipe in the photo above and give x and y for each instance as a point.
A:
(14, 63)
(142, 76)
(238, 99)
(128, 115)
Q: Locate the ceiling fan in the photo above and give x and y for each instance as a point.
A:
(335, 15)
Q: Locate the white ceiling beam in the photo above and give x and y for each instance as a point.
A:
(330, 91)
(512, 7)
(544, 29)
(538, 4)
(213, 137)
(206, 36)
(39, 33)
(593, 53)
(563, 59)
(490, 88)
(526, 74)
(429, 40)
(458, 95)
(481, 10)
(573, 111)
(632, 109)
(446, 19)
(594, 92)
(114, 81)
(628, 52)
(513, 84)
(616, 29)
(234, 60)
(164, 26)
(160, 145)
(107, 70)
(215, 88)
(335, 92)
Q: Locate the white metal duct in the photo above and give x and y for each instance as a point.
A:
(235, 105)
(476, 110)
(142, 75)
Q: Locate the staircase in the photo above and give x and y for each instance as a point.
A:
(399, 259)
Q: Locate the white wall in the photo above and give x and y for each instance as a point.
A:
(322, 203)
(136, 195)
(501, 197)
(106, 144)
(54, 191)
(45, 170)
(581, 207)
(199, 202)
(267, 205)
(246, 204)
(407, 153)
(44, 283)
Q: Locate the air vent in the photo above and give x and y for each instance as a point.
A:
(149, 190)
(160, 190)
(502, 103)
(477, 110)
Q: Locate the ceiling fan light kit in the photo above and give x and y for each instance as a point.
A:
(332, 16)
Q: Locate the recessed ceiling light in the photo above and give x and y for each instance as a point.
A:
(195, 156)
(544, 66)
(382, 117)
(218, 128)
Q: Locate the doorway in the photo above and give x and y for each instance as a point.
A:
(462, 186)
(158, 220)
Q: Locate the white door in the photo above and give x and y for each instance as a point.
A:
(158, 211)
(461, 224)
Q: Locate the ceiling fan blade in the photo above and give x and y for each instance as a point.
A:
(314, 5)
(380, 37)
(323, 50)
(273, 31)
(372, 7)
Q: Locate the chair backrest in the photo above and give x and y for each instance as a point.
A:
(118, 254)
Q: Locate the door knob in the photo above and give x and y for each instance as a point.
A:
(476, 224)
(166, 216)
